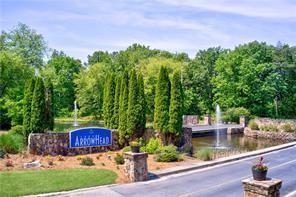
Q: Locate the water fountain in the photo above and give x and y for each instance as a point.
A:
(217, 123)
(75, 124)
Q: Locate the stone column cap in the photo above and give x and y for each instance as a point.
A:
(135, 155)
(269, 183)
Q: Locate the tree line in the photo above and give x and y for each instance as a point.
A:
(257, 76)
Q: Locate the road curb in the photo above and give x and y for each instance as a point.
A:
(186, 168)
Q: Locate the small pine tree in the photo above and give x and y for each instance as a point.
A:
(28, 95)
(123, 105)
(142, 106)
(162, 103)
(133, 106)
(109, 91)
(176, 106)
(38, 123)
(49, 113)
(115, 120)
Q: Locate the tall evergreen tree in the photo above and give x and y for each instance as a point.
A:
(115, 117)
(38, 123)
(176, 106)
(123, 106)
(133, 106)
(162, 103)
(49, 111)
(28, 95)
(142, 106)
(109, 100)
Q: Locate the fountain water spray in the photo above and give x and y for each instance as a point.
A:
(75, 124)
(217, 123)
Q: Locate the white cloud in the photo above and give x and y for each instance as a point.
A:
(283, 9)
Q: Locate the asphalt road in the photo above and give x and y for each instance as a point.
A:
(223, 180)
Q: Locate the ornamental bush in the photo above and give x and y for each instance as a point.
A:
(18, 129)
(269, 127)
(176, 105)
(123, 106)
(11, 143)
(168, 154)
(162, 102)
(87, 161)
(288, 128)
(253, 125)
(153, 145)
(49, 111)
(126, 149)
(38, 123)
(204, 154)
(108, 105)
(119, 159)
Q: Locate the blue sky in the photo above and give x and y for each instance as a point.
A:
(79, 27)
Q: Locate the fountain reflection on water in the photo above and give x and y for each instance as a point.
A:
(75, 124)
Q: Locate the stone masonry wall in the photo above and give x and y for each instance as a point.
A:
(282, 136)
(135, 166)
(58, 144)
(277, 122)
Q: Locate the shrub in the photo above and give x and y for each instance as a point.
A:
(119, 159)
(168, 154)
(87, 161)
(126, 149)
(204, 154)
(269, 127)
(288, 128)
(2, 153)
(11, 143)
(253, 125)
(153, 145)
(78, 158)
(18, 129)
(233, 114)
(98, 157)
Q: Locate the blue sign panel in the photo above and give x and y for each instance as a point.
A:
(90, 137)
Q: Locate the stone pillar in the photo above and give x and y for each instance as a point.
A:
(135, 166)
(243, 121)
(208, 119)
(268, 188)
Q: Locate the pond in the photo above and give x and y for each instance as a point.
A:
(66, 126)
(233, 142)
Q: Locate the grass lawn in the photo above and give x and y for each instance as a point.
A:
(20, 183)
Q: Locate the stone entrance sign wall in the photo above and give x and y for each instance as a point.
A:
(58, 144)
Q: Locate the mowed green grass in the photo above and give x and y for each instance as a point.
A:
(20, 183)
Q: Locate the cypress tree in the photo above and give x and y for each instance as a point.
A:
(133, 106)
(38, 123)
(49, 113)
(142, 106)
(116, 103)
(28, 95)
(176, 106)
(162, 103)
(123, 105)
(109, 91)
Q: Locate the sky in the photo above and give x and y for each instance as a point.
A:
(80, 27)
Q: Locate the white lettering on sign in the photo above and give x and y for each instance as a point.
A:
(94, 140)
